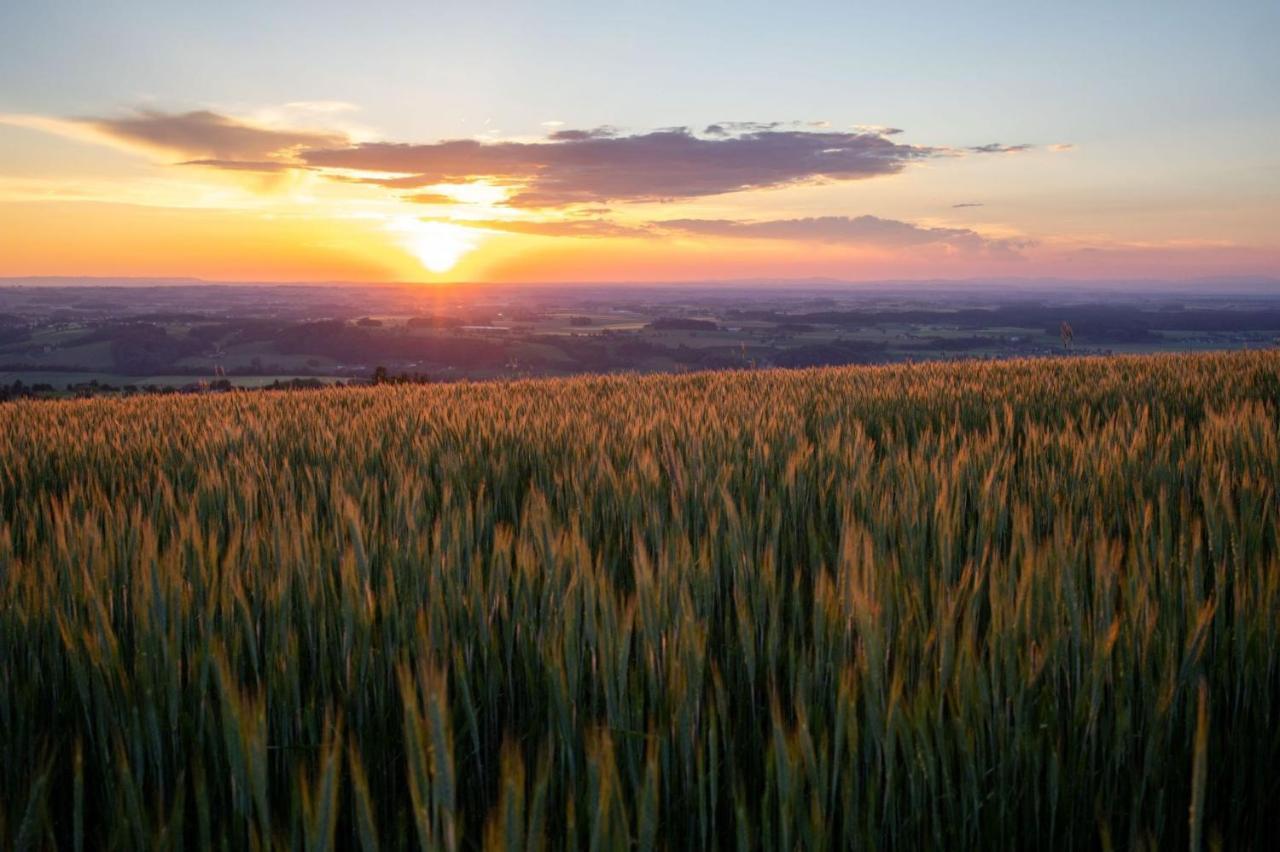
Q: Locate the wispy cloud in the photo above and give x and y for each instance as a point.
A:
(243, 165)
(865, 231)
(431, 198)
(997, 148)
(964, 204)
(208, 138)
(856, 230)
(877, 129)
(732, 128)
(560, 227)
(603, 132)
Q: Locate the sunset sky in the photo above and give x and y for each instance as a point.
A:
(639, 141)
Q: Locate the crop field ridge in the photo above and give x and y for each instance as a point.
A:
(1021, 604)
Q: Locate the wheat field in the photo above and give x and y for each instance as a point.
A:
(978, 605)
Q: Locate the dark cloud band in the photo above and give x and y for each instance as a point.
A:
(574, 167)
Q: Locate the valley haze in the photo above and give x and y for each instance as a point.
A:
(69, 336)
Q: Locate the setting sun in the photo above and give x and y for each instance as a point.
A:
(438, 246)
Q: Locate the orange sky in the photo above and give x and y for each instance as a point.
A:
(567, 141)
(288, 198)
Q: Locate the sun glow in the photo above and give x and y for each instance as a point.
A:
(481, 193)
(438, 246)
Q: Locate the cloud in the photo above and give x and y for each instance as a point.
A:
(243, 165)
(997, 148)
(870, 231)
(602, 165)
(431, 198)
(856, 230)
(65, 127)
(569, 168)
(1062, 147)
(210, 139)
(877, 129)
(561, 227)
(605, 132)
(963, 204)
(730, 128)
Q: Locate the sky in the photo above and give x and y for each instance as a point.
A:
(558, 141)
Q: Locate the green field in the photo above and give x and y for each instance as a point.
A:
(1025, 604)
